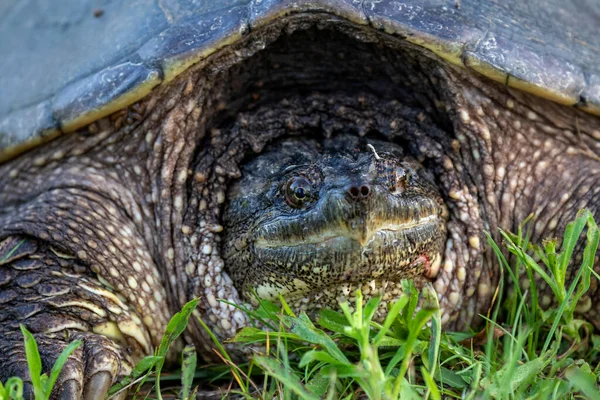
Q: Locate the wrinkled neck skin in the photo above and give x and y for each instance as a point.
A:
(148, 184)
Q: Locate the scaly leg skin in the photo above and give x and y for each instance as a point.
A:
(59, 301)
(86, 265)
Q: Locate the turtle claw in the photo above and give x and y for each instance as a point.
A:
(98, 365)
(98, 386)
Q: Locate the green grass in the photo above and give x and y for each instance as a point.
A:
(523, 352)
(42, 383)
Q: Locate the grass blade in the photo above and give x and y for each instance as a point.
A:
(225, 356)
(431, 385)
(59, 364)
(175, 327)
(13, 388)
(584, 381)
(305, 329)
(34, 362)
(284, 375)
(570, 238)
(188, 368)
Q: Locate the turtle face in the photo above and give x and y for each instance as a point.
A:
(313, 222)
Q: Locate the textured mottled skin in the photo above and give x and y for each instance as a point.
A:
(365, 217)
(120, 223)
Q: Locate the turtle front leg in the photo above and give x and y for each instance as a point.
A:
(60, 300)
(89, 372)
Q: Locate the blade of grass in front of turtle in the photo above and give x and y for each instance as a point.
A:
(34, 362)
(431, 385)
(225, 357)
(12, 251)
(506, 267)
(528, 261)
(409, 288)
(286, 307)
(391, 316)
(14, 388)
(570, 239)
(589, 254)
(514, 304)
(188, 368)
(416, 325)
(145, 365)
(59, 364)
(305, 329)
(433, 353)
(333, 321)
(175, 327)
(517, 325)
(524, 242)
(584, 380)
(254, 316)
(278, 371)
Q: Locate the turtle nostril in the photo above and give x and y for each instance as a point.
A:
(358, 193)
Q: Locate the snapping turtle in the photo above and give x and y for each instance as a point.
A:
(153, 152)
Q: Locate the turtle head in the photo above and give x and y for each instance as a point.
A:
(313, 221)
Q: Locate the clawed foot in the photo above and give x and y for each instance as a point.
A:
(89, 372)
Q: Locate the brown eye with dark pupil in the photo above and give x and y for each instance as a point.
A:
(297, 191)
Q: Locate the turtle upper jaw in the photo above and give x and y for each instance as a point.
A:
(363, 232)
(361, 221)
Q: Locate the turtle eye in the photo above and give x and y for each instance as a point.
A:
(297, 191)
(399, 180)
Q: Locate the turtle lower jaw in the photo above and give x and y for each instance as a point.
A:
(389, 291)
(298, 289)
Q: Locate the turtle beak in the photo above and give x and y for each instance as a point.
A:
(364, 235)
(358, 220)
(359, 231)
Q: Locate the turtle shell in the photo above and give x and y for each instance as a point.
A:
(66, 64)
